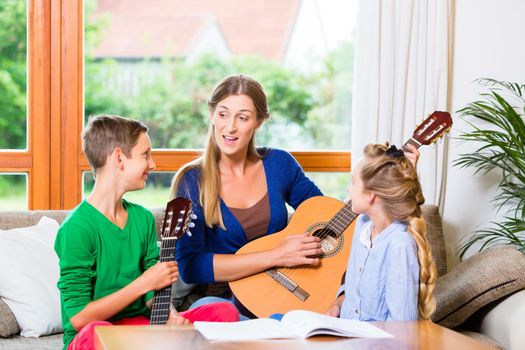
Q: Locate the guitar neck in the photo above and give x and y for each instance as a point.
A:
(162, 299)
(340, 221)
(411, 141)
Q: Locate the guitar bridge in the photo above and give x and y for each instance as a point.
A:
(287, 283)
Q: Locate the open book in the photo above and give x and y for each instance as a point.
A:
(294, 324)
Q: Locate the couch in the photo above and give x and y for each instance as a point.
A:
(499, 322)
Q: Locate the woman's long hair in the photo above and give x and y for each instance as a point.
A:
(391, 176)
(208, 163)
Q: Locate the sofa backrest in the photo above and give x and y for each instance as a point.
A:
(24, 218)
(435, 237)
(12, 219)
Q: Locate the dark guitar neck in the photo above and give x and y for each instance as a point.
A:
(412, 142)
(162, 298)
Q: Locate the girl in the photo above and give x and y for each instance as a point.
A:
(390, 273)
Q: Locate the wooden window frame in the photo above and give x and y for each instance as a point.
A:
(34, 161)
(54, 160)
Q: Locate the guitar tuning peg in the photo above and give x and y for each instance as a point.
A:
(193, 216)
(188, 232)
(191, 225)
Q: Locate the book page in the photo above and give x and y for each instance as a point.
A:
(262, 328)
(308, 323)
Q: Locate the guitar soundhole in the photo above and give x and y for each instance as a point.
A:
(330, 244)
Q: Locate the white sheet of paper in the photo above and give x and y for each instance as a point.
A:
(295, 324)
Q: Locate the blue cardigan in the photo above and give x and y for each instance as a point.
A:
(286, 183)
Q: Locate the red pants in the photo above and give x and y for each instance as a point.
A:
(215, 312)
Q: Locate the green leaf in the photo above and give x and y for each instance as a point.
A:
(497, 127)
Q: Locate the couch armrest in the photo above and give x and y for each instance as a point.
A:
(505, 322)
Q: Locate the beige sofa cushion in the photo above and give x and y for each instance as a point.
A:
(476, 282)
(10, 220)
(8, 324)
(24, 218)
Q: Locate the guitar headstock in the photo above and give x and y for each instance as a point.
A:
(177, 218)
(432, 128)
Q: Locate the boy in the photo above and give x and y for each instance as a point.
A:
(107, 246)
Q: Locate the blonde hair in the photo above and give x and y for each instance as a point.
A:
(393, 178)
(208, 163)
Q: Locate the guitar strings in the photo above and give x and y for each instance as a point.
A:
(339, 222)
(158, 313)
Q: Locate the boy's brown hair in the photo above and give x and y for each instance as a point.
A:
(103, 133)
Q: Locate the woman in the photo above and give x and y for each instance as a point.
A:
(239, 193)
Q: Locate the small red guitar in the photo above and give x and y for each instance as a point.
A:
(177, 219)
(280, 290)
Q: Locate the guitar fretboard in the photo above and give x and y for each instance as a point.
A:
(176, 222)
(340, 221)
(162, 299)
(411, 141)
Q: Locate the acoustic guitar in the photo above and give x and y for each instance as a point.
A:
(177, 219)
(314, 288)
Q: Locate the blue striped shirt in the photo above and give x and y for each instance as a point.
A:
(382, 280)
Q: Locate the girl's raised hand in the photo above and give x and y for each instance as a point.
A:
(412, 154)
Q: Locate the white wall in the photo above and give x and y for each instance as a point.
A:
(489, 41)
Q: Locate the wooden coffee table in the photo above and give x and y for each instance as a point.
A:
(407, 335)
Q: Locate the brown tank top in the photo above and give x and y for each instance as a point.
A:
(254, 221)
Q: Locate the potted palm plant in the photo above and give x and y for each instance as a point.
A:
(497, 127)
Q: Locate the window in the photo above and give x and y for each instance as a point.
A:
(13, 120)
(166, 86)
(23, 78)
(13, 68)
(13, 191)
(159, 61)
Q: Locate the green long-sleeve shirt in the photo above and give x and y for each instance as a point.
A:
(98, 258)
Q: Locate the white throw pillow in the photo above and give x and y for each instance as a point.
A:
(28, 277)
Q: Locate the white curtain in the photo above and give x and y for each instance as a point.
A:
(401, 76)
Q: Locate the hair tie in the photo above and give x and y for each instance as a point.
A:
(394, 152)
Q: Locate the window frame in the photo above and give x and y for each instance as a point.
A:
(34, 160)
